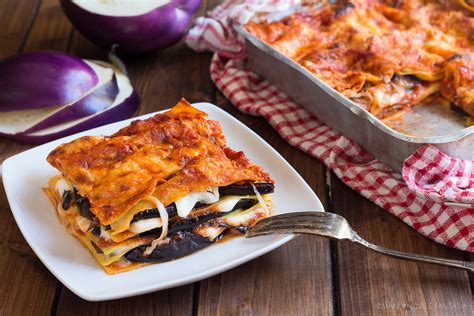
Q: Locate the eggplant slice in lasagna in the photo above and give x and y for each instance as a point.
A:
(156, 190)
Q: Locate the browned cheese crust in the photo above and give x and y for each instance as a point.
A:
(385, 55)
(169, 155)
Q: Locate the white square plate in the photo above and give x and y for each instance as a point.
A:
(25, 174)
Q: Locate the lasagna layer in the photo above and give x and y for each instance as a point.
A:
(208, 222)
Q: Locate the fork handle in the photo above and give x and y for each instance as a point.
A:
(465, 265)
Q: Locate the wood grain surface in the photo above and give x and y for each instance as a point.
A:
(307, 276)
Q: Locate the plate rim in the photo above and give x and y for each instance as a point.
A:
(154, 287)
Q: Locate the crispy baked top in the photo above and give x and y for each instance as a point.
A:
(386, 55)
(169, 155)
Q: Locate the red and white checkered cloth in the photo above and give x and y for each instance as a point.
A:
(424, 197)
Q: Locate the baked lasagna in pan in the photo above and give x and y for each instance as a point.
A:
(385, 55)
(156, 190)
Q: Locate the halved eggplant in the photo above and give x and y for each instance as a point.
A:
(124, 105)
(39, 80)
(97, 99)
(180, 244)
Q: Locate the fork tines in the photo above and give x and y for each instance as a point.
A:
(290, 223)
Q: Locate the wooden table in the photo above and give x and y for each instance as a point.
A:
(307, 276)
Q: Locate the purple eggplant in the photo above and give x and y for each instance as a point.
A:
(131, 26)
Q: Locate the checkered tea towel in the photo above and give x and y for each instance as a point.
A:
(435, 193)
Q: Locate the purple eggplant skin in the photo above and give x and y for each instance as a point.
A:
(247, 189)
(119, 112)
(43, 79)
(156, 29)
(67, 199)
(84, 206)
(92, 103)
(154, 213)
(181, 244)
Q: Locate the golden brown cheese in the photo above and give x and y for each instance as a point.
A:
(458, 84)
(362, 48)
(168, 155)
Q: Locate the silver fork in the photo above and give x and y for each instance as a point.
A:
(336, 227)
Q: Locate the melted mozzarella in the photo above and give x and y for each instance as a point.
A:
(211, 232)
(185, 204)
(104, 234)
(119, 250)
(227, 205)
(62, 185)
(83, 223)
(145, 225)
(260, 198)
(164, 229)
(242, 218)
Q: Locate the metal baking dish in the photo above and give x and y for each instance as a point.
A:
(425, 124)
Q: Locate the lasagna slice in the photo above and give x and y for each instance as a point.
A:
(156, 190)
